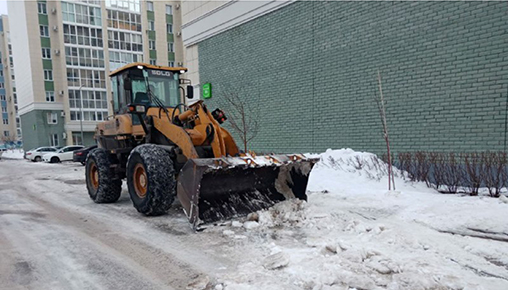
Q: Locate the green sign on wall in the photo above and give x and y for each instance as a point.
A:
(207, 91)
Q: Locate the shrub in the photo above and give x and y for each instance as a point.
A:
(447, 172)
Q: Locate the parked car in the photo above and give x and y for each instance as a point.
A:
(64, 154)
(80, 155)
(36, 154)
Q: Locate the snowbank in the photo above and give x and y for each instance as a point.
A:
(348, 171)
(13, 154)
(354, 233)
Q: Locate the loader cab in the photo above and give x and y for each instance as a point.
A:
(135, 83)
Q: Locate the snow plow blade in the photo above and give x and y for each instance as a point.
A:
(212, 190)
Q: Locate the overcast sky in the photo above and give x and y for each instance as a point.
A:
(3, 6)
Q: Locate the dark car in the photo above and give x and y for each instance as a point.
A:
(80, 155)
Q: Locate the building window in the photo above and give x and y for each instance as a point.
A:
(132, 5)
(171, 47)
(94, 105)
(169, 27)
(4, 109)
(169, 9)
(86, 77)
(48, 75)
(6, 121)
(2, 98)
(1, 85)
(44, 30)
(125, 41)
(81, 35)
(41, 7)
(153, 61)
(76, 138)
(149, 6)
(52, 118)
(171, 64)
(85, 57)
(151, 44)
(6, 133)
(50, 97)
(119, 59)
(46, 53)
(124, 20)
(53, 139)
(78, 13)
(1, 72)
(151, 25)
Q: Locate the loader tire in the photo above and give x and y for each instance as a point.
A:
(101, 183)
(151, 180)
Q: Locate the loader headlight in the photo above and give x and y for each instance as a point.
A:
(137, 109)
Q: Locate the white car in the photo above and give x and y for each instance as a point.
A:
(36, 155)
(64, 154)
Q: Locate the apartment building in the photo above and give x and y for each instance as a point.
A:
(65, 51)
(10, 127)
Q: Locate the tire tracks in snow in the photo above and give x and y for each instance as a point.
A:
(108, 234)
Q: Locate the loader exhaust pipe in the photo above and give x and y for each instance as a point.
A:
(212, 190)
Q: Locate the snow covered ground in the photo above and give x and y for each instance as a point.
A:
(354, 233)
(351, 234)
(12, 154)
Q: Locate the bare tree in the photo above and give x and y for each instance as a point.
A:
(382, 113)
(242, 117)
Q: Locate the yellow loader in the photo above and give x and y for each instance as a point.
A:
(165, 148)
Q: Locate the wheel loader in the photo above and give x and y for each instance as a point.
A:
(165, 148)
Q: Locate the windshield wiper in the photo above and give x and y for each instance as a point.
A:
(154, 99)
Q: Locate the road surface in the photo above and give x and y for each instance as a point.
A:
(52, 236)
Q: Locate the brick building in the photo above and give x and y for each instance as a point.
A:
(311, 67)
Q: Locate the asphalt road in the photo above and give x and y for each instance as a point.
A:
(52, 236)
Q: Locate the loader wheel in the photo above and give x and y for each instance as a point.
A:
(102, 185)
(151, 180)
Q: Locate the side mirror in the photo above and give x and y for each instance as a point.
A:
(190, 92)
(127, 84)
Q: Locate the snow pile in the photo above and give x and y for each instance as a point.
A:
(354, 233)
(347, 170)
(13, 154)
(287, 213)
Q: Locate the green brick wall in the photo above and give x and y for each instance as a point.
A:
(311, 68)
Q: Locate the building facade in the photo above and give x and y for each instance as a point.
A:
(65, 51)
(10, 127)
(311, 67)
